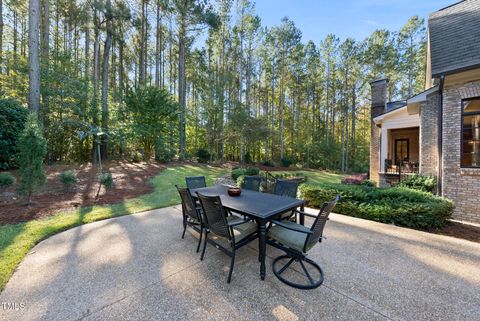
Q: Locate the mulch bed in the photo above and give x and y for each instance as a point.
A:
(461, 231)
(130, 181)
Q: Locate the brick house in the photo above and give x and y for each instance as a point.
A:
(437, 131)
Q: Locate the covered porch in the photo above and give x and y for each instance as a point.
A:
(399, 145)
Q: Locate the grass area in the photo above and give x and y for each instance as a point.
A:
(18, 239)
(314, 177)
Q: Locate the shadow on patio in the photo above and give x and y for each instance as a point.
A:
(138, 267)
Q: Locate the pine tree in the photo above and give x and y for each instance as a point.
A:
(32, 151)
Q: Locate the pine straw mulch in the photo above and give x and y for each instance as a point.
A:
(130, 180)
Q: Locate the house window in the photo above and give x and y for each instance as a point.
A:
(401, 151)
(471, 133)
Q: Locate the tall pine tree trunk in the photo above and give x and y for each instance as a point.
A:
(96, 58)
(158, 45)
(282, 104)
(106, 53)
(1, 34)
(181, 83)
(33, 55)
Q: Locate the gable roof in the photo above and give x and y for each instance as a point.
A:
(454, 34)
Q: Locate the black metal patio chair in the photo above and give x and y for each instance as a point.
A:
(288, 189)
(228, 232)
(192, 214)
(296, 240)
(194, 182)
(252, 183)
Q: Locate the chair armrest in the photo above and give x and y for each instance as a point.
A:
(279, 223)
(239, 223)
(306, 214)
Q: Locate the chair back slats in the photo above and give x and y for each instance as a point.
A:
(319, 224)
(286, 188)
(252, 183)
(194, 182)
(215, 215)
(188, 205)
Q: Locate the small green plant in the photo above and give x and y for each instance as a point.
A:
(286, 161)
(32, 150)
(106, 180)
(248, 158)
(268, 163)
(6, 180)
(240, 181)
(68, 179)
(368, 183)
(425, 183)
(252, 171)
(236, 173)
(203, 156)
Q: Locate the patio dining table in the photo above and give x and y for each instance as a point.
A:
(261, 207)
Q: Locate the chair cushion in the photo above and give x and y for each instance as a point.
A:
(240, 231)
(292, 239)
(285, 215)
(243, 230)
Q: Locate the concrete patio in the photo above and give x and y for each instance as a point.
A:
(137, 268)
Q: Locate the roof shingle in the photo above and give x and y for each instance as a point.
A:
(455, 37)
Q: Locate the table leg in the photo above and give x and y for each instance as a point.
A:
(302, 217)
(262, 242)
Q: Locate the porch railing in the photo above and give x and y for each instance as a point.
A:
(401, 170)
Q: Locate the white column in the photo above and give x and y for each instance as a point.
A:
(383, 148)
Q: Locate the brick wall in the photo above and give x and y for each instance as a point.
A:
(379, 100)
(461, 185)
(429, 135)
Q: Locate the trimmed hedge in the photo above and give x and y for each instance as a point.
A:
(425, 183)
(399, 206)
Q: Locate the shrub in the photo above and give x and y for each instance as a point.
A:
(425, 183)
(6, 180)
(106, 180)
(68, 179)
(252, 171)
(203, 155)
(399, 206)
(369, 183)
(32, 150)
(248, 158)
(12, 117)
(268, 163)
(286, 161)
(240, 180)
(164, 153)
(236, 173)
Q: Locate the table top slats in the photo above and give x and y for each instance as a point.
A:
(251, 203)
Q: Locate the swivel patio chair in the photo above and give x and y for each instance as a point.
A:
(252, 183)
(296, 240)
(228, 232)
(194, 182)
(287, 189)
(192, 214)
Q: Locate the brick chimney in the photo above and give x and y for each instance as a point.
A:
(379, 103)
(379, 96)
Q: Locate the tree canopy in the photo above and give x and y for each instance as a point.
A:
(201, 74)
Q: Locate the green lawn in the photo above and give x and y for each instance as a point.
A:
(18, 239)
